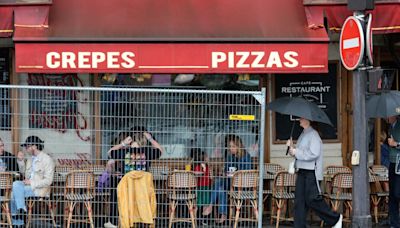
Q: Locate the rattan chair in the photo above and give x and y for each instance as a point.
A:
(283, 192)
(330, 171)
(79, 188)
(182, 185)
(38, 201)
(6, 182)
(270, 171)
(378, 194)
(244, 188)
(342, 185)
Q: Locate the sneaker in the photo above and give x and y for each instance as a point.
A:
(339, 222)
(109, 225)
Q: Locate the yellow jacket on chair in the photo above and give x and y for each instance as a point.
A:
(136, 199)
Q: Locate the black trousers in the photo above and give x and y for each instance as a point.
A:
(394, 196)
(308, 196)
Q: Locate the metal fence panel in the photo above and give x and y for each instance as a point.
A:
(152, 152)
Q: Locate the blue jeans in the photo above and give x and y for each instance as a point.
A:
(220, 192)
(20, 191)
(394, 196)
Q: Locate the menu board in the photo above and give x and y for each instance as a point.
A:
(318, 88)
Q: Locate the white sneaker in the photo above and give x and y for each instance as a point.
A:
(109, 225)
(339, 222)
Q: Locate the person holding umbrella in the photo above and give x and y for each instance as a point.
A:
(394, 177)
(387, 105)
(309, 156)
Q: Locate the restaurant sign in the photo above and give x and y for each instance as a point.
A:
(171, 58)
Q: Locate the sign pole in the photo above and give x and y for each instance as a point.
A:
(361, 207)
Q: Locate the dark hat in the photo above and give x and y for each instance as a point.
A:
(33, 140)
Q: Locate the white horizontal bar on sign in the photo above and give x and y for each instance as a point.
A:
(351, 43)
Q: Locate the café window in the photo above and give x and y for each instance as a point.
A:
(202, 81)
(318, 88)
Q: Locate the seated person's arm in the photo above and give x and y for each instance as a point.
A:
(153, 142)
(125, 143)
(48, 176)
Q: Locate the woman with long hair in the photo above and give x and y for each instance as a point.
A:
(237, 158)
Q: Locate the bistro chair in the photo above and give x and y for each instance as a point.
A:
(341, 195)
(283, 192)
(182, 185)
(6, 182)
(41, 204)
(160, 170)
(270, 171)
(244, 188)
(378, 194)
(79, 188)
(330, 171)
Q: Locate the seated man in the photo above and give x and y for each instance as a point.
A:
(38, 178)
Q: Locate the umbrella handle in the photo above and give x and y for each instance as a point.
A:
(287, 150)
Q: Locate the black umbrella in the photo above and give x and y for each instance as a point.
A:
(383, 105)
(300, 107)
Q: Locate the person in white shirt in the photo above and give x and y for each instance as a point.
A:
(308, 154)
(39, 174)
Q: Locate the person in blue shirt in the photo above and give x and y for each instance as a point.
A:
(237, 158)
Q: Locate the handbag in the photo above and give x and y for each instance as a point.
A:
(291, 168)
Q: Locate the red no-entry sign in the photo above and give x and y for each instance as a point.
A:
(352, 43)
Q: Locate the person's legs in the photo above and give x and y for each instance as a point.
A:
(394, 189)
(315, 201)
(300, 208)
(113, 218)
(19, 192)
(218, 183)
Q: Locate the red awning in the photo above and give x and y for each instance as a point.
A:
(174, 20)
(385, 16)
(6, 19)
(114, 36)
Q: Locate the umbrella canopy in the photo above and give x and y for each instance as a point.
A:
(383, 105)
(301, 107)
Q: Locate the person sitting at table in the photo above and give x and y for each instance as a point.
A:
(8, 160)
(236, 159)
(204, 183)
(39, 175)
(125, 156)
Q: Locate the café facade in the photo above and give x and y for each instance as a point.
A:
(283, 46)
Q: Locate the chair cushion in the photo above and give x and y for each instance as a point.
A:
(4, 199)
(341, 196)
(182, 196)
(79, 197)
(243, 195)
(267, 192)
(382, 194)
(284, 195)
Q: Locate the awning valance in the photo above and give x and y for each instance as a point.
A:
(385, 16)
(6, 21)
(247, 26)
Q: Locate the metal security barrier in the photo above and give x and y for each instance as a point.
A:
(178, 157)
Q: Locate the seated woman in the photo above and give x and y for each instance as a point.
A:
(135, 152)
(237, 159)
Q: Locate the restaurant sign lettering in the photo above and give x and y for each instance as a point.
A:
(171, 58)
